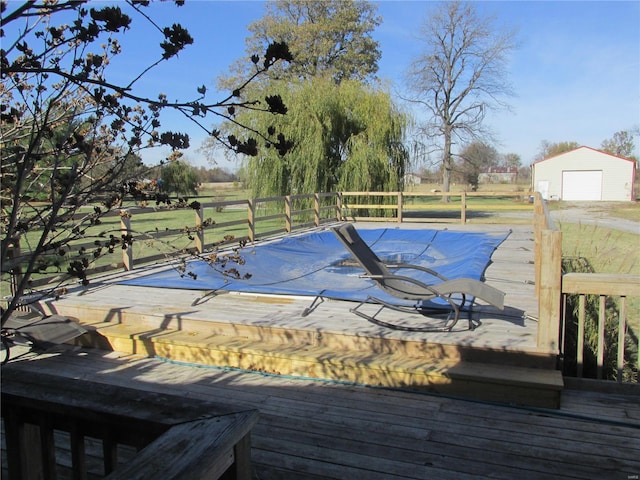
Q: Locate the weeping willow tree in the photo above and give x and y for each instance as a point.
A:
(346, 136)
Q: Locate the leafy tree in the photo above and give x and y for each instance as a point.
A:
(326, 37)
(621, 144)
(345, 133)
(70, 132)
(216, 174)
(477, 156)
(511, 160)
(460, 75)
(548, 149)
(346, 136)
(180, 178)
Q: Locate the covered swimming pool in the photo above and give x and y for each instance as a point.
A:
(316, 264)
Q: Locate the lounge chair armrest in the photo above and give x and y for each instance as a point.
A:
(416, 267)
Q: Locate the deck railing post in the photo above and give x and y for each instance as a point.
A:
(78, 453)
(539, 224)
(400, 206)
(15, 441)
(622, 331)
(550, 290)
(125, 231)
(200, 230)
(339, 206)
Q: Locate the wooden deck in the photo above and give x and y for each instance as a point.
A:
(499, 360)
(310, 429)
(511, 270)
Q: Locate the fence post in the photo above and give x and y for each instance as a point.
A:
(125, 231)
(463, 208)
(550, 288)
(316, 208)
(16, 272)
(400, 206)
(339, 206)
(287, 214)
(200, 230)
(251, 217)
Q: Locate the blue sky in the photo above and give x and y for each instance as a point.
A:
(576, 74)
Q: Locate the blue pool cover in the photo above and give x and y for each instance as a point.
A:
(317, 263)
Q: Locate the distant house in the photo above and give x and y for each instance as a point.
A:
(584, 174)
(412, 179)
(499, 175)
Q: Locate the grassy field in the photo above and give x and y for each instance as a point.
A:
(608, 251)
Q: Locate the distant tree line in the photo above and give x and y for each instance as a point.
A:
(215, 175)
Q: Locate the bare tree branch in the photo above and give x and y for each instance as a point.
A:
(460, 75)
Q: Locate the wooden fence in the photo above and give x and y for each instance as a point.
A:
(421, 206)
(212, 226)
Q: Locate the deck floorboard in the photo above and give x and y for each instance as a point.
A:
(327, 430)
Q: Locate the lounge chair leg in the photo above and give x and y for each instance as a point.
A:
(316, 301)
(472, 326)
(374, 320)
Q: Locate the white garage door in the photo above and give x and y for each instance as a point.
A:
(582, 185)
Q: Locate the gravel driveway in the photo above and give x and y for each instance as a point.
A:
(594, 214)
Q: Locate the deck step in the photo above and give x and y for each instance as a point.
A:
(304, 332)
(451, 376)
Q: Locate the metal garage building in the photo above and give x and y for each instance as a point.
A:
(584, 174)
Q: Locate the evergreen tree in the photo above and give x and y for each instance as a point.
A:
(179, 178)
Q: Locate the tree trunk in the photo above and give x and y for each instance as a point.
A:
(446, 165)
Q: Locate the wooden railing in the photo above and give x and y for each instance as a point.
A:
(51, 423)
(605, 286)
(216, 224)
(548, 275)
(552, 287)
(241, 221)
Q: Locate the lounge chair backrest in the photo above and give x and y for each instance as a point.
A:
(373, 266)
(352, 240)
